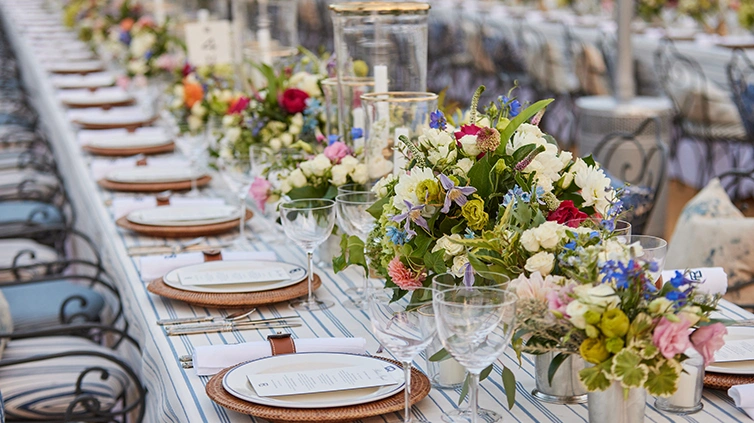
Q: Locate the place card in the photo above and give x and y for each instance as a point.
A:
(326, 380)
(736, 350)
(233, 276)
(208, 43)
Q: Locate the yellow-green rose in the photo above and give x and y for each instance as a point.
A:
(428, 191)
(614, 345)
(473, 212)
(592, 317)
(594, 350)
(614, 323)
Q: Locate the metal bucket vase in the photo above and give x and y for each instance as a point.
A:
(613, 406)
(566, 387)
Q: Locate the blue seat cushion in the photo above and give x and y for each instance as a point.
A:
(36, 211)
(37, 305)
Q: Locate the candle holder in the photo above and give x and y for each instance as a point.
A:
(388, 117)
(216, 10)
(354, 121)
(688, 398)
(268, 29)
(384, 41)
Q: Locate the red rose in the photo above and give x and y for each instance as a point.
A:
(567, 213)
(293, 100)
(239, 105)
(467, 130)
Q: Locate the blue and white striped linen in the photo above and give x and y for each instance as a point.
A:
(178, 396)
(40, 389)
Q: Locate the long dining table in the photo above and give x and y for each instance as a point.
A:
(178, 395)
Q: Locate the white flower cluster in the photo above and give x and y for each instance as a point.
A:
(320, 167)
(405, 189)
(595, 298)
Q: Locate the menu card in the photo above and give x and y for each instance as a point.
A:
(326, 380)
(231, 276)
(736, 350)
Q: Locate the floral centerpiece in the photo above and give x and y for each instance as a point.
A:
(282, 113)
(117, 17)
(702, 11)
(152, 50)
(202, 94)
(650, 10)
(745, 12)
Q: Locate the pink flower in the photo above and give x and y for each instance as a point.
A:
(239, 105)
(533, 288)
(336, 151)
(558, 299)
(467, 130)
(260, 191)
(672, 338)
(168, 62)
(123, 81)
(708, 339)
(404, 277)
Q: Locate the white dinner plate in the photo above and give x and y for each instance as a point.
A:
(735, 367)
(114, 116)
(237, 384)
(296, 272)
(75, 67)
(92, 80)
(130, 140)
(96, 98)
(154, 174)
(184, 215)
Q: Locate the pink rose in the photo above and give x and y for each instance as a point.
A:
(558, 299)
(708, 339)
(467, 130)
(336, 151)
(672, 338)
(260, 191)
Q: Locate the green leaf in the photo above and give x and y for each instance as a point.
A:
(434, 261)
(477, 264)
(421, 243)
(339, 263)
(522, 152)
(464, 389)
(663, 380)
(522, 117)
(441, 355)
(589, 160)
(376, 209)
(628, 368)
(594, 378)
(479, 177)
(641, 324)
(307, 192)
(554, 366)
(509, 383)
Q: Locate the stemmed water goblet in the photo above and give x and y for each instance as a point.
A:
(355, 220)
(237, 174)
(405, 326)
(475, 325)
(194, 147)
(651, 249)
(308, 223)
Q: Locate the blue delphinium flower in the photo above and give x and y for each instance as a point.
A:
(148, 54)
(678, 280)
(513, 194)
(332, 139)
(514, 106)
(678, 297)
(357, 133)
(397, 236)
(437, 120)
(570, 245)
(125, 38)
(618, 273)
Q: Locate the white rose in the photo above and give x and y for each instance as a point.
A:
(178, 91)
(576, 309)
(306, 82)
(232, 134)
(435, 138)
(565, 157)
(451, 248)
(379, 167)
(542, 262)
(350, 162)
(469, 145)
(137, 66)
(600, 297)
(465, 165)
(275, 144)
(549, 234)
(198, 110)
(177, 103)
(529, 241)
(459, 264)
(339, 175)
(360, 174)
(226, 96)
(380, 188)
(320, 164)
(286, 139)
(297, 179)
(195, 123)
(141, 43)
(228, 120)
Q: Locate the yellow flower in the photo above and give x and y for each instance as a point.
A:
(473, 212)
(428, 191)
(592, 317)
(614, 323)
(594, 350)
(360, 68)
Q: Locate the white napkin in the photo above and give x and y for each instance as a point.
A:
(210, 359)
(147, 133)
(742, 395)
(715, 281)
(101, 94)
(153, 267)
(124, 205)
(92, 79)
(102, 167)
(115, 115)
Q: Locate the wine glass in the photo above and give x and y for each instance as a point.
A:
(404, 326)
(308, 223)
(194, 147)
(355, 220)
(652, 250)
(353, 187)
(619, 229)
(237, 174)
(474, 324)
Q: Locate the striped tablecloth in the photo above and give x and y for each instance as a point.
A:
(178, 395)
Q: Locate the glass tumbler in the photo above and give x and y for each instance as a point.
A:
(351, 127)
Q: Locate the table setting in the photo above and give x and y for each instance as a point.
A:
(122, 143)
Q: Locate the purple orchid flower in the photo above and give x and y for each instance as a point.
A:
(454, 193)
(413, 214)
(468, 275)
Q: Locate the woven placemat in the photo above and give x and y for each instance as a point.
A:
(181, 231)
(723, 381)
(101, 105)
(420, 388)
(153, 187)
(76, 72)
(233, 300)
(127, 152)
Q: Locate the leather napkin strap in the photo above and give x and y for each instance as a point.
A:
(163, 201)
(141, 162)
(212, 255)
(281, 343)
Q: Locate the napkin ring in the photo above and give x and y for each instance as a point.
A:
(212, 255)
(281, 343)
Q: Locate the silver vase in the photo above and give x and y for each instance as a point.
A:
(614, 406)
(566, 388)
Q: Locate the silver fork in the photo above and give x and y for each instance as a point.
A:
(229, 318)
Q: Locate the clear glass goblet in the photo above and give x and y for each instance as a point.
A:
(308, 223)
(619, 229)
(651, 249)
(194, 147)
(404, 326)
(237, 174)
(475, 325)
(355, 220)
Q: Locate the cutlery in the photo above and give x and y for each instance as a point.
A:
(229, 318)
(189, 246)
(227, 327)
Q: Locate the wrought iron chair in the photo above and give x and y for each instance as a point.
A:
(639, 167)
(741, 78)
(684, 82)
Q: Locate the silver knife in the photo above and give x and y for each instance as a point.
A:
(227, 327)
(189, 321)
(184, 320)
(160, 249)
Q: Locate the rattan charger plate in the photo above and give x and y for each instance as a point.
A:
(233, 300)
(181, 231)
(129, 126)
(420, 387)
(723, 381)
(153, 187)
(101, 105)
(132, 151)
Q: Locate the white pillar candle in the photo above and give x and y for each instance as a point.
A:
(265, 40)
(380, 79)
(451, 372)
(685, 396)
(399, 160)
(202, 15)
(159, 11)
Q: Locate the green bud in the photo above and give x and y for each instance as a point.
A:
(614, 323)
(500, 167)
(592, 317)
(360, 68)
(502, 124)
(592, 331)
(672, 317)
(614, 345)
